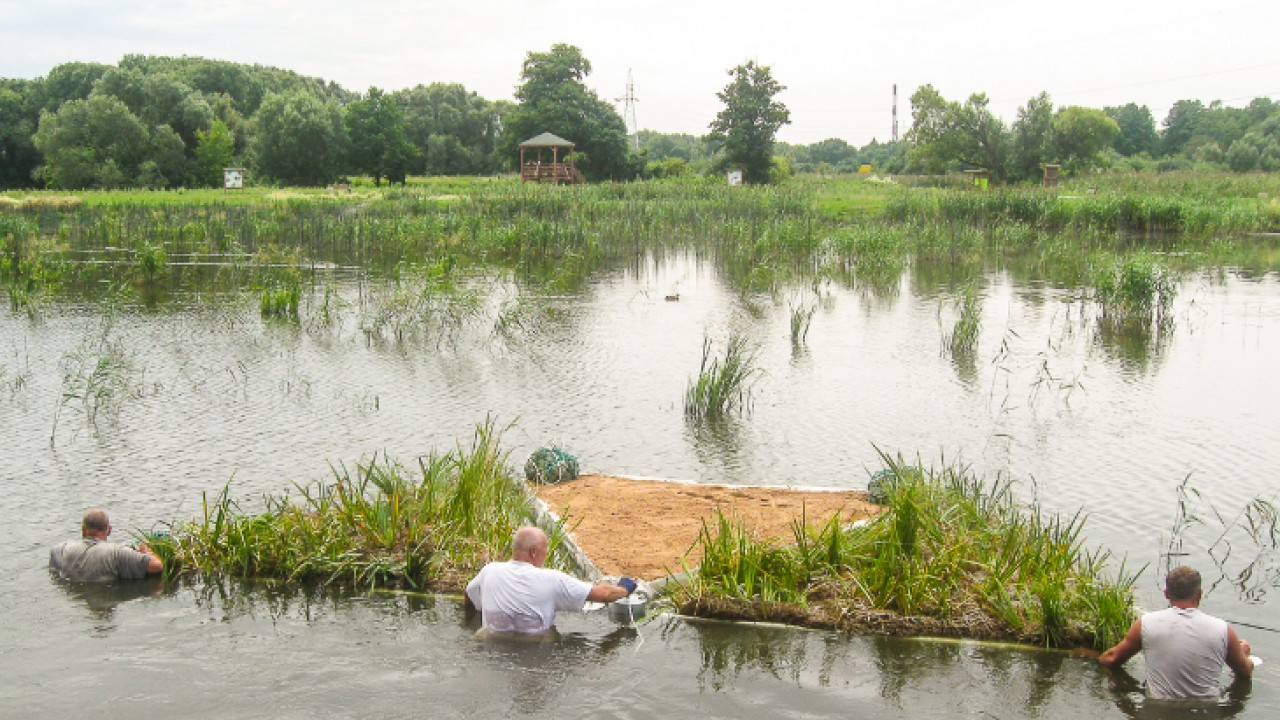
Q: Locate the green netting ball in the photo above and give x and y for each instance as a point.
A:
(880, 485)
(548, 466)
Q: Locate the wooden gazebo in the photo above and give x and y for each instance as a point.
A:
(533, 161)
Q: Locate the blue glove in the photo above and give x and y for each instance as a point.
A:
(627, 584)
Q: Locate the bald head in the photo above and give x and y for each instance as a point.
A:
(529, 544)
(95, 524)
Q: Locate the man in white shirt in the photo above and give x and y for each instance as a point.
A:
(1184, 648)
(521, 597)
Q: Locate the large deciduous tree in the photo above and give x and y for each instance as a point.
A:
(745, 129)
(215, 149)
(19, 113)
(945, 132)
(1080, 135)
(1137, 130)
(455, 131)
(1259, 149)
(554, 99)
(93, 143)
(298, 139)
(1032, 136)
(832, 153)
(1180, 125)
(70, 81)
(378, 146)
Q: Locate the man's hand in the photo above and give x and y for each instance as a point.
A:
(627, 584)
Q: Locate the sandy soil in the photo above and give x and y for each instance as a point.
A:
(644, 528)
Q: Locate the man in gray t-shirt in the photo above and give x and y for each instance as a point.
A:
(1185, 649)
(92, 559)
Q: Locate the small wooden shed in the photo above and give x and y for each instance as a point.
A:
(979, 178)
(535, 166)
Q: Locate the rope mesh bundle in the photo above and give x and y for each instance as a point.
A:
(550, 465)
(879, 485)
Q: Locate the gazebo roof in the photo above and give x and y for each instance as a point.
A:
(546, 139)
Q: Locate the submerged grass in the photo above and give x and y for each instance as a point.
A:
(950, 556)
(379, 525)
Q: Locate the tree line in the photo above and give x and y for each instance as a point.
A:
(166, 122)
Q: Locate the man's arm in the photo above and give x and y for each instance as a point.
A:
(606, 592)
(1126, 648)
(472, 592)
(155, 565)
(1238, 655)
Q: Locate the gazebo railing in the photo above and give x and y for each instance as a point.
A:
(550, 172)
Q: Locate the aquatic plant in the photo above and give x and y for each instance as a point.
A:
(1135, 289)
(379, 525)
(149, 261)
(801, 318)
(96, 377)
(281, 300)
(431, 300)
(949, 555)
(963, 339)
(1241, 545)
(723, 384)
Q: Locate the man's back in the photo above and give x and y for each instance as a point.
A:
(1185, 651)
(518, 597)
(93, 561)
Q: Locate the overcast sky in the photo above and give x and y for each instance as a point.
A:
(838, 59)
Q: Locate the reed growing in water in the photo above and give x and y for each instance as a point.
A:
(950, 555)
(964, 334)
(379, 525)
(801, 318)
(723, 384)
(1132, 290)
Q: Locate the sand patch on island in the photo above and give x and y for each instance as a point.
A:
(646, 528)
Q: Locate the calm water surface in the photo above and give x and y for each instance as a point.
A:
(211, 394)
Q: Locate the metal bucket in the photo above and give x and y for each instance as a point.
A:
(628, 609)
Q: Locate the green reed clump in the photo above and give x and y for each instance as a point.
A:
(32, 265)
(281, 300)
(801, 318)
(1135, 289)
(723, 384)
(735, 564)
(950, 554)
(379, 525)
(964, 334)
(150, 261)
(1101, 204)
(281, 292)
